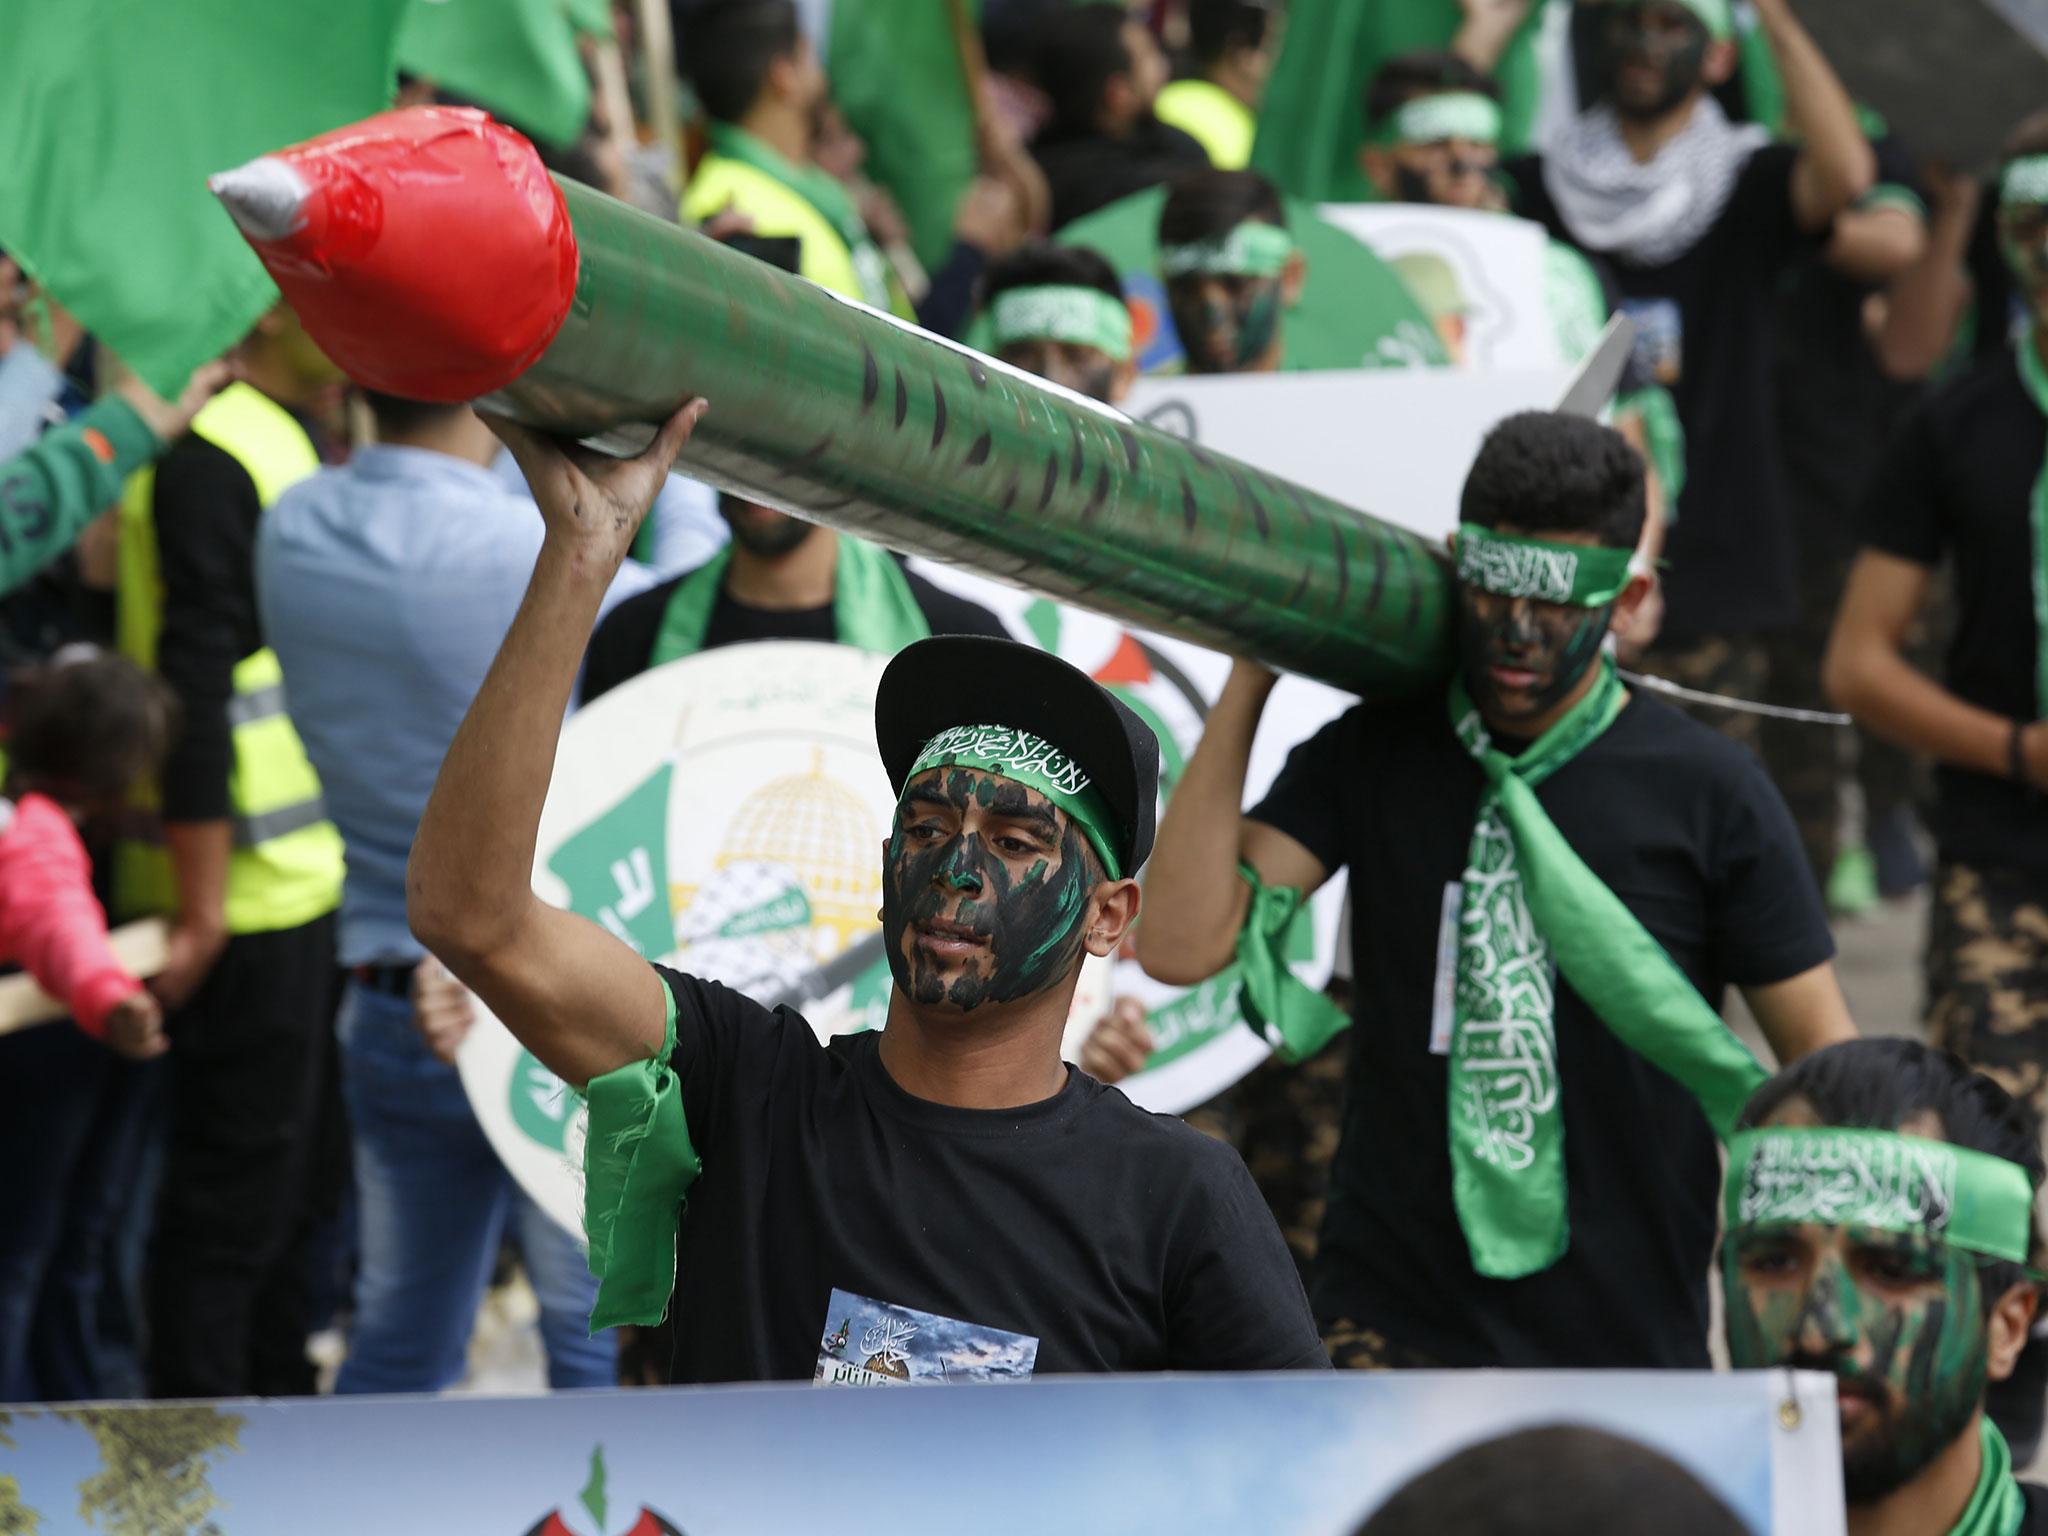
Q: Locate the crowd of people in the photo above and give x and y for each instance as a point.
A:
(288, 660)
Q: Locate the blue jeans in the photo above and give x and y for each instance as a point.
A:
(433, 1200)
(75, 1128)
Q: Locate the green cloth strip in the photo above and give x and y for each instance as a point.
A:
(1838, 1176)
(1446, 115)
(1071, 313)
(1252, 249)
(1292, 1016)
(638, 1166)
(1529, 900)
(1996, 1507)
(2034, 378)
(1036, 763)
(1508, 565)
(1717, 16)
(2024, 180)
(873, 608)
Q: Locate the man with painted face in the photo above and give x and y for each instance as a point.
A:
(1058, 311)
(1962, 483)
(1553, 882)
(1699, 221)
(1879, 1210)
(1231, 270)
(981, 1207)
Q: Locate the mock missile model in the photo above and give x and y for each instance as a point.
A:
(432, 256)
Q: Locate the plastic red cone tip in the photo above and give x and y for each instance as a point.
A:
(427, 251)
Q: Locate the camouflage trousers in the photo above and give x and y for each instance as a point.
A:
(1807, 762)
(1352, 1347)
(1987, 975)
(1285, 1122)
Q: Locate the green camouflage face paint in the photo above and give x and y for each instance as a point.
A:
(1897, 1318)
(984, 914)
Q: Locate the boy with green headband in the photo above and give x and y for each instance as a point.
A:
(949, 1176)
(1879, 1217)
(1553, 882)
(1230, 268)
(1058, 311)
(1963, 484)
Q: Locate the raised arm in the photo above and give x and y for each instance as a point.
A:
(1194, 901)
(1835, 166)
(583, 1002)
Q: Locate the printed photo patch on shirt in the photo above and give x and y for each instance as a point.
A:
(1660, 338)
(869, 1343)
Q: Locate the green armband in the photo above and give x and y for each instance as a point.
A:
(638, 1165)
(1295, 1019)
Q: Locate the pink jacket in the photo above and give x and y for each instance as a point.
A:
(51, 924)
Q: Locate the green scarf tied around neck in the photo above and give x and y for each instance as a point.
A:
(1530, 910)
(873, 608)
(824, 193)
(2034, 375)
(1996, 1507)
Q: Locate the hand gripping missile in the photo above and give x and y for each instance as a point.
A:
(431, 256)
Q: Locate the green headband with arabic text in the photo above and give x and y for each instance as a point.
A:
(1442, 116)
(1508, 565)
(1837, 1176)
(1037, 764)
(1252, 249)
(1067, 312)
(2023, 181)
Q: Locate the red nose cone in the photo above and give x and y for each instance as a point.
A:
(427, 251)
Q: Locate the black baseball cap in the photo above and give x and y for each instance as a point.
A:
(960, 680)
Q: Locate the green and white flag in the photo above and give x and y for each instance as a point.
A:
(617, 868)
(114, 113)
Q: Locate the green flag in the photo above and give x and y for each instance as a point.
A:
(896, 74)
(114, 113)
(617, 869)
(1355, 312)
(1313, 120)
(516, 58)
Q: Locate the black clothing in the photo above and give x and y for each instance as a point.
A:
(1835, 404)
(1087, 170)
(928, 685)
(1687, 831)
(949, 302)
(625, 640)
(205, 509)
(1118, 1240)
(2036, 1523)
(1705, 329)
(228, 1280)
(1958, 483)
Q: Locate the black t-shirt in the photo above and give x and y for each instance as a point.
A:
(2036, 1523)
(1958, 483)
(1682, 825)
(625, 640)
(1834, 402)
(1115, 1239)
(1705, 329)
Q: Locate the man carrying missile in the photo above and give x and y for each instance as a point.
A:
(982, 1208)
(1553, 881)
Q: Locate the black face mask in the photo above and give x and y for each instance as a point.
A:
(1554, 640)
(1025, 913)
(1680, 61)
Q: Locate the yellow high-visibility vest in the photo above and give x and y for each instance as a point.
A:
(779, 212)
(1213, 118)
(286, 867)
